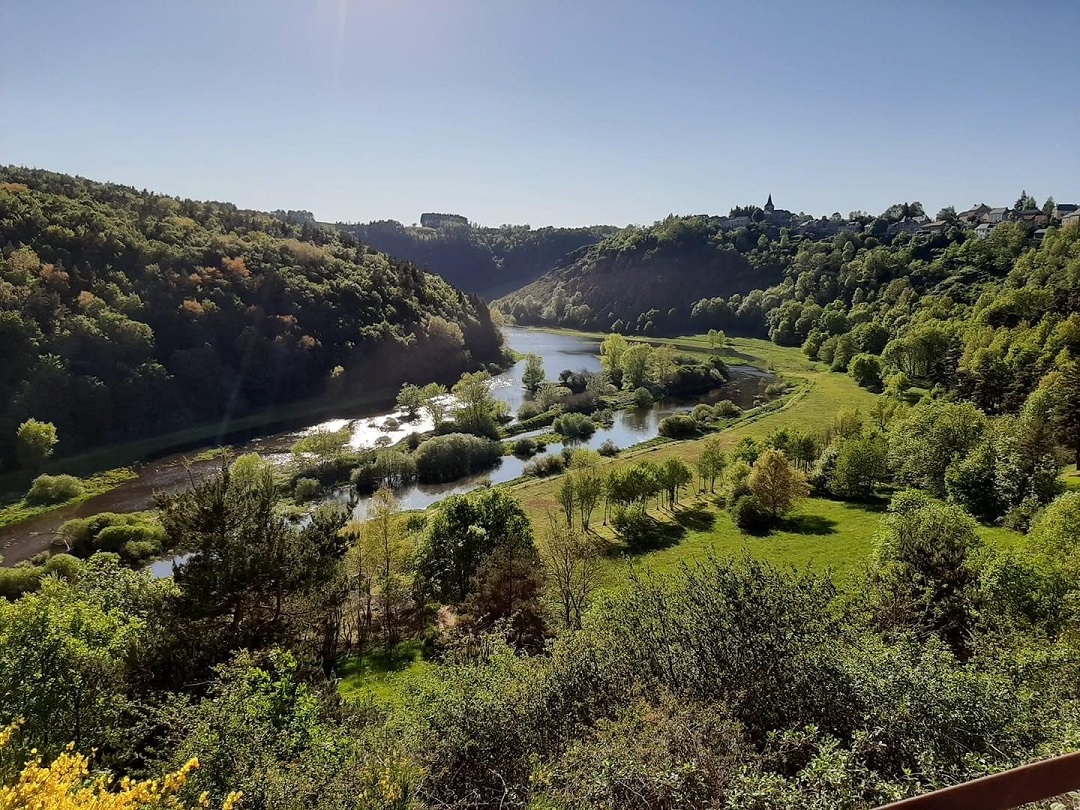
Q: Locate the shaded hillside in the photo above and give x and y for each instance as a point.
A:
(125, 313)
(646, 279)
(486, 261)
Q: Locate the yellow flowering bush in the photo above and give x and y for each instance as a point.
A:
(66, 784)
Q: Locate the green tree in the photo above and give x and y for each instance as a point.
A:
(386, 549)
(410, 399)
(711, 462)
(717, 340)
(532, 377)
(34, 443)
(866, 370)
(477, 409)
(776, 483)
(435, 402)
(464, 531)
(673, 476)
(611, 351)
(924, 441)
(861, 464)
(634, 365)
(924, 574)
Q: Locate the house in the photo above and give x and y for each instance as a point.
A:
(935, 227)
(1033, 218)
(996, 215)
(1039, 235)
(974, 214)
(1071, 220)
(1062, 209)
(906, 225)
(732, 223)
(983, 231)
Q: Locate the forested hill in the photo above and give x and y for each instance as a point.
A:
(486, 261)
(125, 313)
(647, 279)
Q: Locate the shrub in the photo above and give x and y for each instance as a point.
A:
(702, 413)
(541, 467)
(574, 426)
(109, 531)
(725, 408)
(678, 426)
(14, 582)
(775, 389)
(135, 550)
(306, 489)
(524, 448)
(455, 455)
(116, 537)
(608, 449)
(635, 527)
(866, 370)
(50, 489)
(751, 516)
(529, 409)
(642, 398)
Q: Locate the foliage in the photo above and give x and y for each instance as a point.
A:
(861, 464)
(120, 300)
(454, 455)
(678, 426)
(751, 515)
(543, 466)
(54, 489)
(465, 531)
(574, 426)
(776, 484)
(532, 377)
(34, 443)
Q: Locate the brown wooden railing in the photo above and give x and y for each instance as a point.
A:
(1005, 790)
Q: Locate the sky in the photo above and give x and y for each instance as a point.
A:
(549, 112)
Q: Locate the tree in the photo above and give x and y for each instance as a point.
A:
(634, 365)
(571, 561)
(588, 483)
(948, 214)
(866, 370)
(532, 377)
(1067, 408)
(711, 462)
(924, 441)
(435, 402)
(410, 399)
(386, 549)
(611, 352)
(663, 365)
(34, 443)
(465, 530)
(717, 340)
(776, 483)
(861, 464)
(476, 409)
(1055, 535)
(923, 570)
(567, 497)
(673, 476)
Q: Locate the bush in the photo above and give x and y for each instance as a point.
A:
(608, 449)
(725, 408)
(306, 489)
(109, 531)
(574, 426)
(702, 413)
(775, 389)
(751, 516)
(135, 550)
(455, 455)
(551, 464)
(678, 426)
(529, 409)
(14, 582)
(642, 398)
(636, 528)
(50, 489)
(524, 448)
(866, 371)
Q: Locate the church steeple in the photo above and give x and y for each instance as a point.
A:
(769, 206)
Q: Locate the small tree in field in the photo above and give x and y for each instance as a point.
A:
(34, 443)
(411, 399)
(776, 483)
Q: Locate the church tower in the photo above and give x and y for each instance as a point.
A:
(769, 207)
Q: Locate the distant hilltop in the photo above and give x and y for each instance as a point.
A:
(442, 220)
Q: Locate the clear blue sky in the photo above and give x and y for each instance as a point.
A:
(549, 111)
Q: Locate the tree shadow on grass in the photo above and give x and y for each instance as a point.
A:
(696, 518)
(652, 535)
(808, 524)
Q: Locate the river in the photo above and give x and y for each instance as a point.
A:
(559, 351)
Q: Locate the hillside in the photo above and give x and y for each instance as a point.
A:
(645, 279)
(487, 261)
(125, 314)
